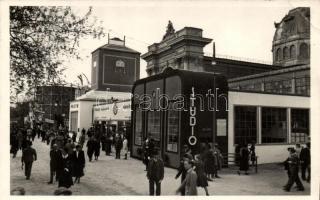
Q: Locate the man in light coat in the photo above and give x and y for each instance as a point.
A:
(190, 182)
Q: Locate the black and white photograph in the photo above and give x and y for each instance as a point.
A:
(149, 98)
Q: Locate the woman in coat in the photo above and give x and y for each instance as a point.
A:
(244, 159)
(210, 164)
(90, 148)
(202, 178)
(97, 147)
(65, 178)
(78, 163)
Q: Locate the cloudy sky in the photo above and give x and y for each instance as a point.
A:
(241, 30)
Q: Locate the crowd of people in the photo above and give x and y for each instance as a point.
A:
(299, 158)
(195, 169)
(68, 160)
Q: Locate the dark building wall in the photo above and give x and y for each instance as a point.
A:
(234, 68)
(115, 70)
(48, 96)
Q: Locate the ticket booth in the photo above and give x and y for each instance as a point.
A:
(179, 107)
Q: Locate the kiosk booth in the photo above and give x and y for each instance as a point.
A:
(179, 107)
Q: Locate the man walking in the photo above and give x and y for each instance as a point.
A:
(55, 163)
(293, 162)
(305, 162)
(29, 155)
(190, 182)
(155, 173)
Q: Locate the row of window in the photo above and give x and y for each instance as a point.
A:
(290, 52)
(274, 125)
(153, 129)
(302, 86)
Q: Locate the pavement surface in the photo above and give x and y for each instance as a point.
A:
(109, 176)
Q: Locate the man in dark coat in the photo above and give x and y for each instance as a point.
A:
(244, 159)
(155, 173)
(90, 148)
(305, 162)
(78, 163)
(118, 145)
(293, 162)
(14, 145)
(55, 163)
(97, 147)
(29, 155)
(65, 178)
(148, 148)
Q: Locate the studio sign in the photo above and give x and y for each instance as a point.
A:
(192, 120)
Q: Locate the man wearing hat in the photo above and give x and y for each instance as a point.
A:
(155, 173)
(29, 155)
(293, 166)
(55, 162)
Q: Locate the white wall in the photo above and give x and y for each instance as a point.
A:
(267, 153)
(85, 115)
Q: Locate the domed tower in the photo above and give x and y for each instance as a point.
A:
(291, 41)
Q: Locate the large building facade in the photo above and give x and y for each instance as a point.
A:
(52, 103)
(115, 67)
(268, 104)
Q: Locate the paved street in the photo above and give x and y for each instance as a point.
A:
(127, 177)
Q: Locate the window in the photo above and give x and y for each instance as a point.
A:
(278, 86)
(120, 67)
(292, 51)
(278, 55)
(173, 130)
(154, 126)
(302, 85)
(245, 124)
(74, 121)
(274, 125)
(138, 127)
(304, 51)
(299, 125)
(285, 53)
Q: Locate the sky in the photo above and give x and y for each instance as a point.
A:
(238, 30)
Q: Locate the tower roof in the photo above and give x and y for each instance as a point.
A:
(295, 24)
(116, 44)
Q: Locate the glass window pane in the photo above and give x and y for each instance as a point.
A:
(245, 124)
(274, 125)
(138, 127)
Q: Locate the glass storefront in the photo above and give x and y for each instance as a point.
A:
(153, 125)
(74, 121)
(138, 127)
(274, 125)
(173, 130)
(299, 125)
(245, 129)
